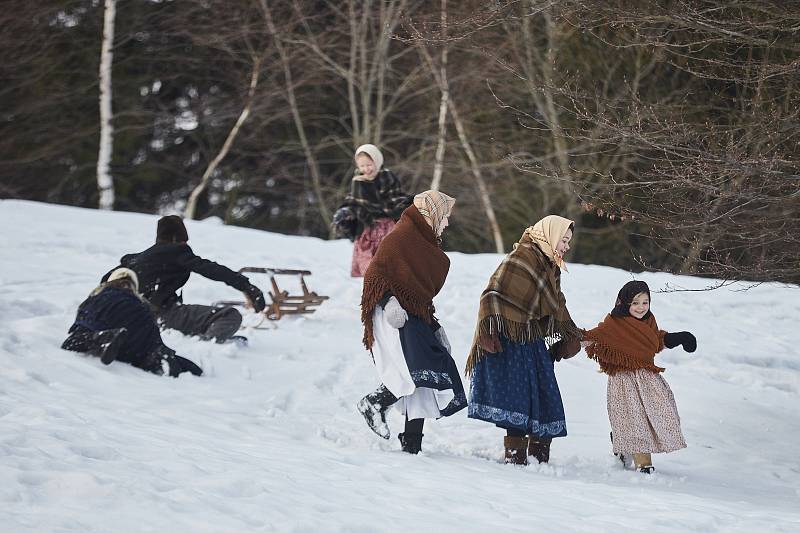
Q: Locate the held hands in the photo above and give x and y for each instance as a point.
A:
(564, 349)
(395, 314)
(490, 344)
(684, 338)
(256, 298)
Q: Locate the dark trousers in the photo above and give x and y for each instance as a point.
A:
(220, 323)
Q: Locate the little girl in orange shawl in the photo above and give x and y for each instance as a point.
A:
(641, 408)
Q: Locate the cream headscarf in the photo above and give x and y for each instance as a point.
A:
(546, 234)
(377, 157)
(434, 206)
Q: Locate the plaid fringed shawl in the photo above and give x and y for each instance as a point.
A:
(523, 301)
(377, 198)
(625, 343)
(410, 265)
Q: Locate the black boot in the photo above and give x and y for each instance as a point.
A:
(373, 408)
(411, 442)
(103, 344)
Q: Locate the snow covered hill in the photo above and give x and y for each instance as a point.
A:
(269, 439)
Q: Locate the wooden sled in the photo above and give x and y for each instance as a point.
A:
(282, 303)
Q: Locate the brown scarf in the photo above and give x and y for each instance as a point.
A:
(523, 301)
(626, 343)
(410, 265)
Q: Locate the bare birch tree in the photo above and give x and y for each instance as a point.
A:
(191, 204)
(105, 181)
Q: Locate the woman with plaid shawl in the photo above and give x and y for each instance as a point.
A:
(369, 212)
(513, 380)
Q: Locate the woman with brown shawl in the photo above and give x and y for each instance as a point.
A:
(641, 408)
(409, 347)
(513, 380)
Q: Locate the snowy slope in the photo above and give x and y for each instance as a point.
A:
(269, 440)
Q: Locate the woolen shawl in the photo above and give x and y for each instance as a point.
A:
(626, 343)
(523, 300)
(410, 265)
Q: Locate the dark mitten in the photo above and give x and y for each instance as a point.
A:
(685, 338)
(256, 298)
(344, 223)
(564, 349)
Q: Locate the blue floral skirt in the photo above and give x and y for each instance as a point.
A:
(517, 389)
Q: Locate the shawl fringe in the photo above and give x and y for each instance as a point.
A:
(518, 332)
(613, 361)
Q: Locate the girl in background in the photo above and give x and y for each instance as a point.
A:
(369, 212)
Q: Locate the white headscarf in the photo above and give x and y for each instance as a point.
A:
(434, 206)
(547, 233)
(372, 151)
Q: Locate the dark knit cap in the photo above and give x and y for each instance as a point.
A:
(625, 297)
(171, 229)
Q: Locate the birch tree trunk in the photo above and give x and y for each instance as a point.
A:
(191, 203)
(105, 182)
(483, 190)
(438, 162)
(313, 166)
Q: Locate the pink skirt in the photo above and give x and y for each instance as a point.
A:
(643, 414)
(367, 243)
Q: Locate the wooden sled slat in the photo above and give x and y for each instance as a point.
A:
(282, 302)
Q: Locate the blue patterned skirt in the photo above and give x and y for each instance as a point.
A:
(517, 389)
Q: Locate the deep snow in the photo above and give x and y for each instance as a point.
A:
(269, 439)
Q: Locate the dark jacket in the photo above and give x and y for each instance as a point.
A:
(382, 197)
(165, 267)
(113, 308)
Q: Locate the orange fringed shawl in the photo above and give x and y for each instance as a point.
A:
(627, 343)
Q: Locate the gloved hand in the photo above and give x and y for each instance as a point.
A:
(685, 338)
(441, 336)
(344, 223)
(564, 349)
(490, 344)
(395, 314)
(256, 298)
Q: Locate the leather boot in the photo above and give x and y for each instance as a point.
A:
(411, 442)
(643, 463)
(516, 450)
(539, 448)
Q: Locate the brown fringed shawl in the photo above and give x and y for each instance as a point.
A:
(410, 265)
(626, 343)
(523, 301)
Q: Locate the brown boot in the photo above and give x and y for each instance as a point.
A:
(539, 448)
(643, 463)
(516, 450)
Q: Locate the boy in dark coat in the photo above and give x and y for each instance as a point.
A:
(165, 267)
(114, 323)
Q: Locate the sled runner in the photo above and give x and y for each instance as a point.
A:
(283, 303)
